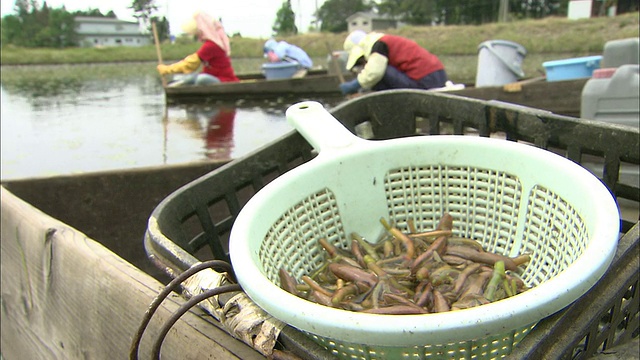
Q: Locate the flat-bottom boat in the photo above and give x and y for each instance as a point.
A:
(560, 97)
(257, 87)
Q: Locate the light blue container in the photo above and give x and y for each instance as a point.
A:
(280, 70)
(569, 69)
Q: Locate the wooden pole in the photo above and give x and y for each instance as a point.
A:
(165, 118)
(503, 11)
(158, 52)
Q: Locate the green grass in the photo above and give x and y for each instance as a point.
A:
(546, 36)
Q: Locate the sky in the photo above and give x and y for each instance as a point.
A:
(250, 18)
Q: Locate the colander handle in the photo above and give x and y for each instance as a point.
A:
(319, 127)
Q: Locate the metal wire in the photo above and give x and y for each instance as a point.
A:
(155, 354)
(155, 304)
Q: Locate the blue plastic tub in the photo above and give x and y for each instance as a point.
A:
(569, 69)
(280, 70)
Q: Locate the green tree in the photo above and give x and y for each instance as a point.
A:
(537, 8)
(91, 12)
(461, 12)
(415, 12)
(24, 7)
(57, 28)
(143, 11)
(61, 29)
(162, 27)
(42, 26)
(30, 24)
(11, 29)
(334, 13)
(285, 23)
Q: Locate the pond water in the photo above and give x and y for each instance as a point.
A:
(68, 119)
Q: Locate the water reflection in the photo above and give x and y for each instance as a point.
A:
(219, 133)
(83, 118)
(223, 131)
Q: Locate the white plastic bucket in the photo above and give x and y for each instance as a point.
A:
(499, 63)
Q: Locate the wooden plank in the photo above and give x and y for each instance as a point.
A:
(560, 97)
(65, 296)
(251, 89)
(317, 84)
(100, 203)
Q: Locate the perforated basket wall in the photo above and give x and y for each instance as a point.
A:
(485, 205)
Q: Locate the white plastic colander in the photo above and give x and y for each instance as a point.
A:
(514, 198)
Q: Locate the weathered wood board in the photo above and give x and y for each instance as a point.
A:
(111, 207)
(559, 97)
(65, 296)
(256, 89)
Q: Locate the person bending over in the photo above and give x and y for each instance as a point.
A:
(390, 62)
(276, 51)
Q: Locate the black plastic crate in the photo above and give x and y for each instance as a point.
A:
(193, 223)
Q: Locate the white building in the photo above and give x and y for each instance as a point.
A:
(100, 31)
(580, 9)
(370, 21)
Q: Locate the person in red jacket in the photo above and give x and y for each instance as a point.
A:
(213, 55)
(390, 62)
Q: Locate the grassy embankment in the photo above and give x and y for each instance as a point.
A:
(542, 38)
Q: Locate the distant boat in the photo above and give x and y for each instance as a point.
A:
(256, 86)
(560, 97)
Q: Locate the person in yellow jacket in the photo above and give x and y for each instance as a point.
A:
(390, 62)
(213, 55)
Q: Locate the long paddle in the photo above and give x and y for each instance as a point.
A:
(165, 118)
(155, 38)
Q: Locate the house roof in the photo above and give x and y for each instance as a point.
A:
(125, 28)
(102, 20)
(121, 34)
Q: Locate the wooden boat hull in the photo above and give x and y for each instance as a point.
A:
(65, 294)
(559, 97)
(257, 89)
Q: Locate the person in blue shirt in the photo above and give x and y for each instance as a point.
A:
(276, 51)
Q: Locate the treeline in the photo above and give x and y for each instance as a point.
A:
(42, 26)
(36, 25)
(470, 12)
(333, 13)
